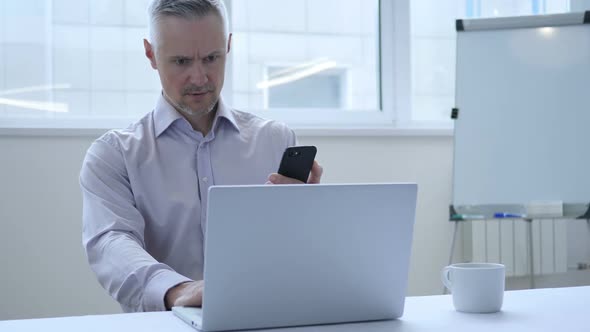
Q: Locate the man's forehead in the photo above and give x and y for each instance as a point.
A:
(210, 24)
(203, 35)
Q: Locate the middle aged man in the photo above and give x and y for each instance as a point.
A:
(145, 187)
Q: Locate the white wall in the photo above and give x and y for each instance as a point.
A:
(43, 267)
(44, 270)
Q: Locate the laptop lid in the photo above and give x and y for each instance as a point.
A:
(290, 255)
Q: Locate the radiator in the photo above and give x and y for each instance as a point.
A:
(505, 241)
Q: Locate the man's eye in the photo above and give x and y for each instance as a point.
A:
(181, 62)
(211, 58)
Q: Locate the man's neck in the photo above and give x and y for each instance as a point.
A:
(201, 122)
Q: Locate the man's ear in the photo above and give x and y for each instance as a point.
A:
(149, 53)
(229, 43)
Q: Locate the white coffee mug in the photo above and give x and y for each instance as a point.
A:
(476, 287)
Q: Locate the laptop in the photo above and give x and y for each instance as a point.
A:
(294, 255)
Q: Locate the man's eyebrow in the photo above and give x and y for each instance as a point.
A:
(189, 57)
(216, 52)
(174, 57)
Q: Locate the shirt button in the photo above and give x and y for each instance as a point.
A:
(205, 179)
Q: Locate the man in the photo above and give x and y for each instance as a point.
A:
(145, 187)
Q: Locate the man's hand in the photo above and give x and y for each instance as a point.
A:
(314, 177)
(188, 294)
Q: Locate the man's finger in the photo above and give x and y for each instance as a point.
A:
(276, 178)
(192, 296)
(189, 300)
(316, 173)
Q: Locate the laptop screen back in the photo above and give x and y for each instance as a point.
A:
(288, 255)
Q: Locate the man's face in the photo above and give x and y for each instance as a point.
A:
(190, 57)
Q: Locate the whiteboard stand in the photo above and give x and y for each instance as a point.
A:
(453, 242)
(530, 252)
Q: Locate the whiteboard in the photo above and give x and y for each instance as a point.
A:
(523, 99)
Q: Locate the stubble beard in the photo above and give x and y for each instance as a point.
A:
(201, 112)
(187, 110)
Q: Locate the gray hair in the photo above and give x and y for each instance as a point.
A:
(188, 9)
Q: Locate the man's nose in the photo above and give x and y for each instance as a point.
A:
(198, 74)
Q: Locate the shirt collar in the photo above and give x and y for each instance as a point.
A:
(223, 111)
(165, 114)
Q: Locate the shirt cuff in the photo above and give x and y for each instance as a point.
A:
(155, 290)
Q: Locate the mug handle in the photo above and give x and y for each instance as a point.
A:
(445, 277)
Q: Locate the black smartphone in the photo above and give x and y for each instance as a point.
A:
(297, 162)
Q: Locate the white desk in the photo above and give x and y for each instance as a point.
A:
(559, 309)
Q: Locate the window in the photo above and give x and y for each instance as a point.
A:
(324, 89)
(328, 67)
(310, 63)
(74, 63)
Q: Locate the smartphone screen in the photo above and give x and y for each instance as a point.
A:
(297, 162)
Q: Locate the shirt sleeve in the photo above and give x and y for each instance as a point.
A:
(113, 233)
